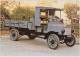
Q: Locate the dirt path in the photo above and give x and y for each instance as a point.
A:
(36, 47)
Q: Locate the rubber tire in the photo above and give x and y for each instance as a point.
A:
(74, 41)
(16, 32)
(57, 41)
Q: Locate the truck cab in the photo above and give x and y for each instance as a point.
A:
(46, 19)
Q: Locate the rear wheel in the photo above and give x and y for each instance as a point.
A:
(53, 41)
(70, 41)
(14, 34)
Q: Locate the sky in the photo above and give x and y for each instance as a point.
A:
(61, 1)
(48, 2)
(27, 1)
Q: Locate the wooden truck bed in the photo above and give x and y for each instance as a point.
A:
(16, 23)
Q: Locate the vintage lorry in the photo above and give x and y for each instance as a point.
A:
(45, 25)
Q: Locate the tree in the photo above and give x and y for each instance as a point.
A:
(22, 13)
(4, 14)
(71, 11)
(6, 7)
(3, 10)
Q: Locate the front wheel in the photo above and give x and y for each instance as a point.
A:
(70, 41)
(53, 41)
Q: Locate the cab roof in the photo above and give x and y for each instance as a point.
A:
(41, 7)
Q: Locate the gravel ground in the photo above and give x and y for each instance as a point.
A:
(37, 47)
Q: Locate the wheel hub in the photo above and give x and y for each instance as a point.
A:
(13, 35)
(52, 41)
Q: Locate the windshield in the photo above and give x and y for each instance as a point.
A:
(56, 17)
(51, 15)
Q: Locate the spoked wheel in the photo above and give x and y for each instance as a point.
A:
(70, 41)
(53, 41)
(14, 34)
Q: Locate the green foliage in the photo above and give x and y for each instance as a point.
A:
(21, 13)
(4, 11)
(71, 10)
